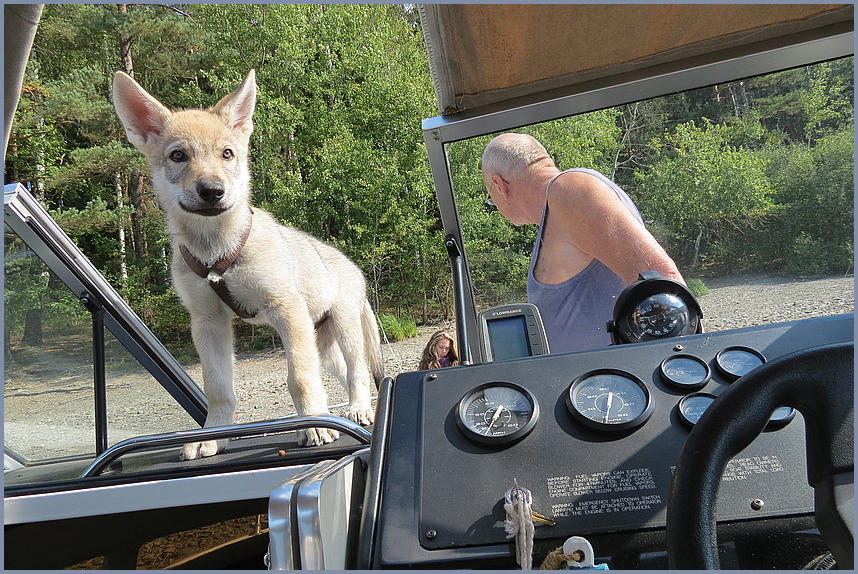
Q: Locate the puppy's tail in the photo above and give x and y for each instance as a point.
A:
(373, 343)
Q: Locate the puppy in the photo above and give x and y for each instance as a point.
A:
(231, 258)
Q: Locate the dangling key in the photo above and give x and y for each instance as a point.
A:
(516, 492)
(519, 524)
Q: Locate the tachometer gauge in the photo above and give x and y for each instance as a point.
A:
(609, 399)
(735, 362)
(685, 372)
(691, 407)
(497, 413)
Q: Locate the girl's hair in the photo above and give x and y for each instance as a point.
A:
(429, 360)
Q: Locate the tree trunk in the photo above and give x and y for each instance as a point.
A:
(123, 263)
(33, 328)
(125, 46)
(7, 347)
(138, 218)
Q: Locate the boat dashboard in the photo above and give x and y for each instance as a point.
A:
(595, 436)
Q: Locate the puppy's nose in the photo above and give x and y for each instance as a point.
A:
(210, 191)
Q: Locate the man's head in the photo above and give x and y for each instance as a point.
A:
(513, 156)
(511, 159)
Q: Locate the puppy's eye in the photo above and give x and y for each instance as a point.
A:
(227, 154)
(178, 156)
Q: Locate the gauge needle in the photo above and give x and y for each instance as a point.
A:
(494, 418)
(608, 409)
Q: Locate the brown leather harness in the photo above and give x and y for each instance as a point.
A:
(214, 274)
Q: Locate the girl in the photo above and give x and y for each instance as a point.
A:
(440, 352)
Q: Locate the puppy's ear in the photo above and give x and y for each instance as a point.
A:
(236, 109)
(142, 115)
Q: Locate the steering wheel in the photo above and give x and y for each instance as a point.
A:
(819, 383)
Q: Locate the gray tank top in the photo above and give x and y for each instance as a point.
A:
(576, 311)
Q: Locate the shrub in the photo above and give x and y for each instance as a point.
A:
(396, 328)
(697, 287)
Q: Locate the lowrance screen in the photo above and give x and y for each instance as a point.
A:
(511, 332)
(508, 338)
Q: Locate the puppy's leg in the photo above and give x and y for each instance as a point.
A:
(331, 355)
(292, 321)
(212, 335)
(346, 320)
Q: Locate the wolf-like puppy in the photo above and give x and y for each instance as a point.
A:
(311, 293)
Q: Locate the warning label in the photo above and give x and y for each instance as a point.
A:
(744, 468)
(612, 482)
(606, 506)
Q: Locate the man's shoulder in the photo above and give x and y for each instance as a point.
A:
(579, 188)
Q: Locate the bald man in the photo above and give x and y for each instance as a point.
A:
(591, 241)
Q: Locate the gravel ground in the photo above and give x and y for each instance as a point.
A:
(138, 405)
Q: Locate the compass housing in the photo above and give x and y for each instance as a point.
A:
(654, 308)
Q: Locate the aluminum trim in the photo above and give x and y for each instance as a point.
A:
(133, 497)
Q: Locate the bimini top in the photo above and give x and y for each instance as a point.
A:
(490, 55)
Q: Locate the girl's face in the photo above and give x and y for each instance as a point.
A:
(442, 347)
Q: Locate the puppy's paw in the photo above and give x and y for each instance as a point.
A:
(202, 449)
(363, 417)
(316, 436)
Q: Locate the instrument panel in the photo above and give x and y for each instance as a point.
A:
(595, 436)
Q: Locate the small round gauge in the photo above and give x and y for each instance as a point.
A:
(609, 399)
(658, 316)
(691, 407)
(685, 372)
(781, 417)
(497, 413)
(735, 362)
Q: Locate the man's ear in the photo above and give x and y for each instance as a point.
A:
(236, 109)
(142, 116)
(501, 184)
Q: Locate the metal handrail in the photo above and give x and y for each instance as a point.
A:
(282, 424)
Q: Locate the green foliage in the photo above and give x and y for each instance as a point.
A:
(164, 314)
(816, 193)
(396, 328)
(697, 287)
(700, 177)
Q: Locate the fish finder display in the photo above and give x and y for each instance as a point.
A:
(511, 332)
(508, 338)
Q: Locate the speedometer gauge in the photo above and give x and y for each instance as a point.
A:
(497, 413)
(609, 399)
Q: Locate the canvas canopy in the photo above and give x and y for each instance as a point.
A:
(486, 54)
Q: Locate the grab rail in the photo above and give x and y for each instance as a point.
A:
(282, 424)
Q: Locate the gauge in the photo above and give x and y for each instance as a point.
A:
(691, 407)
(609, 399)
(658, 316)
(781, 417)
(654, 308)
(735, 362)
(685, 372)
(497, 413)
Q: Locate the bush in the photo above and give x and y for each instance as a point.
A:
(697, 287)
(396, 328)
